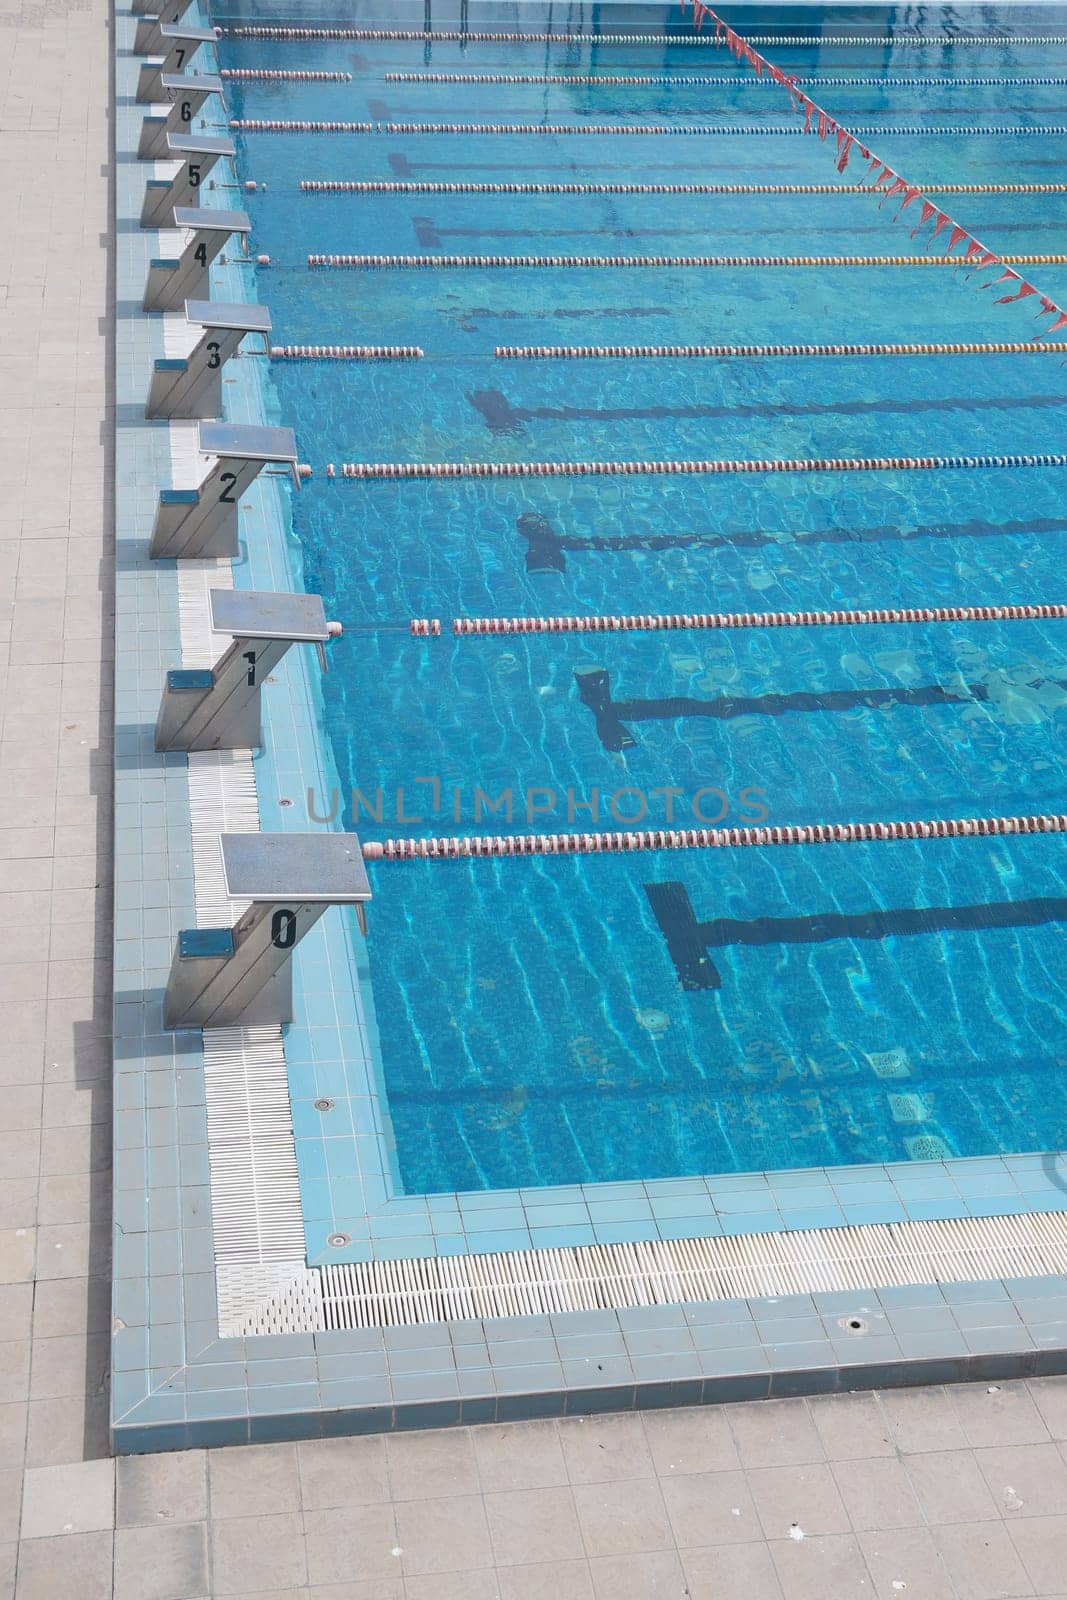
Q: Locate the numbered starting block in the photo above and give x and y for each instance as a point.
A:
(172, 280)
(187, 97)
(151, 14)
(220, 709)
(178, 43)
(191, 386)
(242, 976)
(202, 521)
(196, 157)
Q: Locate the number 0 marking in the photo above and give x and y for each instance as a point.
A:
(283, 930)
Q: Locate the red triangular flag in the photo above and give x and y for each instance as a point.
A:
(1024, 290)
(928, 212)
(955, 236)
(842, 160)
(1060, 322)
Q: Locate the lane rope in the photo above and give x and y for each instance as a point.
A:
(573, 469)
(610, 129)
(440, 263)
(346, 352)
(460, 36)
(575, 844)
(375, 186)
(553, 352)
(666, 81)
(477, 627)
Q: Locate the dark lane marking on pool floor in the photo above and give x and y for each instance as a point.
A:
(611, 716)
(502, 418)
(688, 941)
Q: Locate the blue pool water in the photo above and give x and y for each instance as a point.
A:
(557, 1021)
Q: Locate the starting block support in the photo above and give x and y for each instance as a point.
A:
(157, 11)
(163, 196)
(242, 976)
(220, 709)
(188, 96)
(172, 281)
(178, 43)
(191, 386)
(202, 521)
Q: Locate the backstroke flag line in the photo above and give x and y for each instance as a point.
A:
(882, 178)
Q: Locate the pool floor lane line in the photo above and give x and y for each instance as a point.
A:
(689, 940)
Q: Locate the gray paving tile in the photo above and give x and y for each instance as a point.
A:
(599, 1448)
(1050, 1397)
(732, 1572)
(75, 1564)
(519, 1455)
(792, 1498)
(877, 1493)
(1041, 1543)
(950, 1487)
(59, 1431)
(552, 1580)
(906, 1561)
(777, 1433)
(481, 1584)
(342, 1472)
(982, 1561)
(618, 1518)
(447, 1534)
(656, 1573)
(78, 1498)
(357, 1544)
(153, 1490)
(691, 1440)
(441, 1463)
(533, 1525)
(161, 1563)
(1028, 1480)
(255, 1481)
(997, 1414)
(923, 1419)
(17, 1248)
(249, 1553)
(851, 1426)
(813, 1569)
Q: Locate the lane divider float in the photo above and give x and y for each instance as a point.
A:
(477, 627)
(346, 352)
(440, 263)
(582, 469)
(666, 81)
(375, 186)
(630, 352)
(702, 130)
(282, 75)
(461, 36)
(580, 844)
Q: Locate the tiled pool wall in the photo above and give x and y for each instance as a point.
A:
(175, 1381)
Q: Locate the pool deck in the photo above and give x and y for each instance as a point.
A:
(958, 1493)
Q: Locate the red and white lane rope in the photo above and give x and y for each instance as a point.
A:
(346, 352)
(630, 352)
(374, 186)
(582, 844)
(722, 78)
(657, 130)
(281, 75)
(458, 36)
(582, 469)
(441, 263)
(479, 627)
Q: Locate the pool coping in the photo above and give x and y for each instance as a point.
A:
(176, 1382)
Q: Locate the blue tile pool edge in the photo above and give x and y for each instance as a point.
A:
(175, 1383)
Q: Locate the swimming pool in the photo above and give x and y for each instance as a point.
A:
(552, 1022)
